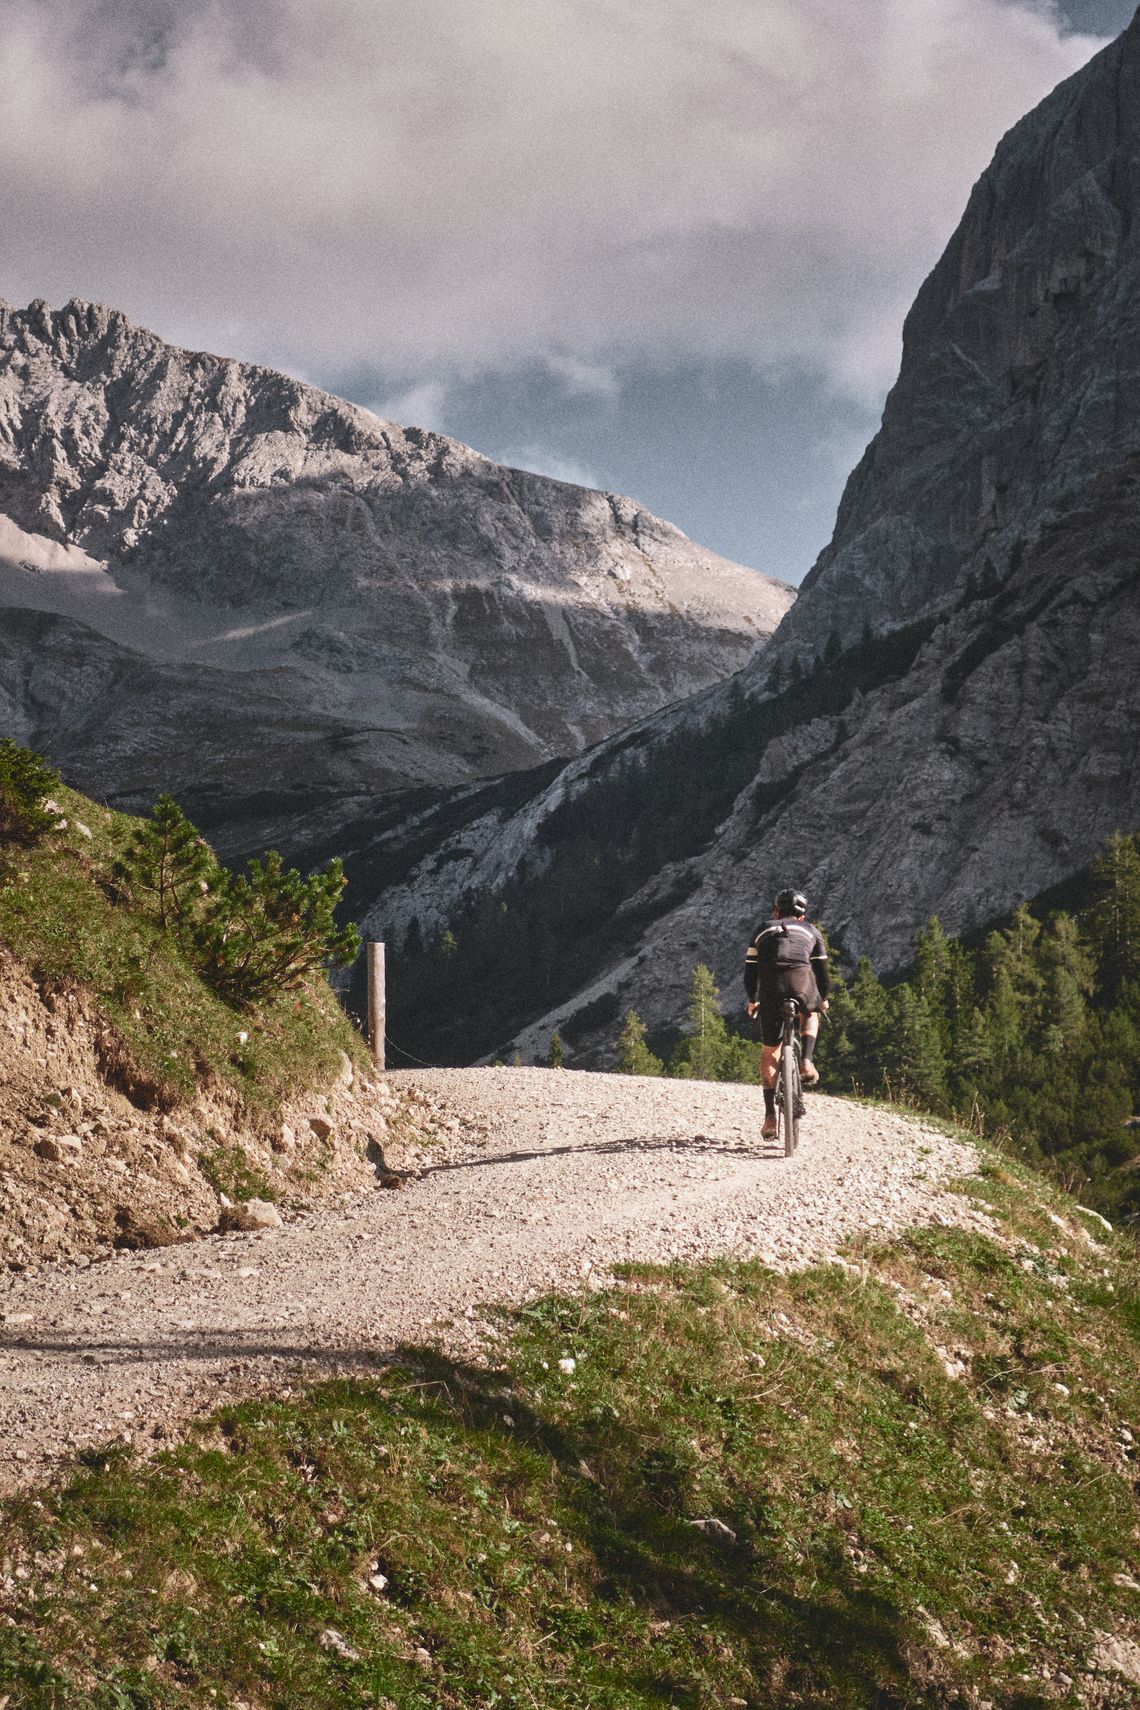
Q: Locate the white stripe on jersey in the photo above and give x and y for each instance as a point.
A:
(792, 926)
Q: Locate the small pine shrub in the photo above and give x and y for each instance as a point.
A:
(26, 782)
(249, 935)
(269, 928)
(699, 1054)
(633, 1054)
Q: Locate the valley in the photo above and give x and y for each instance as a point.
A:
(513, 1366)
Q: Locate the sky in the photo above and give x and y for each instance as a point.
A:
(656, 246)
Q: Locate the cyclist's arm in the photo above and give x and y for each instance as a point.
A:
(751, 973)
(820, 967)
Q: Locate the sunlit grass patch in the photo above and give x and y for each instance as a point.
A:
(167, 1029)
(909, 1481)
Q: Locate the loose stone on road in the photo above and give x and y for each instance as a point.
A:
(542, 1179)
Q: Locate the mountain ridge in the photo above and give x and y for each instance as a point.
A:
(433, 617)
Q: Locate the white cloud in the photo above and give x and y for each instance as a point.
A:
(542, 462)
(481, 182)
(584, 379)
(423, 405)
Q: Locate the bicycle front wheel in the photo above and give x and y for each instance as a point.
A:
(789, 1099)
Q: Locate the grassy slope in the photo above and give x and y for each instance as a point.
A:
(57, 917)
(750, 1490)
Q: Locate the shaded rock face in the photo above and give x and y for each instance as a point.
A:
(306, 598)
(946, 721)
(1020, 376)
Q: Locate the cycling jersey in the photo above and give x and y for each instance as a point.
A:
(787, 958)
(780, 945)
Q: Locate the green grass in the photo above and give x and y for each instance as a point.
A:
(876, 1532)
(166, 1030)
(229, 1171)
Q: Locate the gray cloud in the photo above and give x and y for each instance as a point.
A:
(469, 184)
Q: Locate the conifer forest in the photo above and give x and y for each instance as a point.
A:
(1030, 1037)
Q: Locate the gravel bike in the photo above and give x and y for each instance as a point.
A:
(789, 1084)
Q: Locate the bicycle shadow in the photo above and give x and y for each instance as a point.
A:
(200, 1346)
(743, 1151)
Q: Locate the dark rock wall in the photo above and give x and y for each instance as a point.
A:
(1020, 376)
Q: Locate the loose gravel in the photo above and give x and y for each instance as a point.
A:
(535, 1179)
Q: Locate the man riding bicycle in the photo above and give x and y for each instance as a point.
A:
(787, 958)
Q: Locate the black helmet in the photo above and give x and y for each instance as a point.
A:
(791, 902)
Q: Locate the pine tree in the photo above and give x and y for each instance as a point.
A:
(741, 1061)
(960, 994)
(26, 782)
(1068, 967)
(269, 928)
(916, 1058)
(974, 1064)
(835, 1055)
(931, 977)
(557, 1055)
(1015, 985)
(701, 1052)
(1114, 919)
(167, 868)
(869, 1028)
(1022, 960)
(1002, 1011)
(633, 1054)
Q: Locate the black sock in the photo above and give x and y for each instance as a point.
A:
(769, 1101)
(807, 1046)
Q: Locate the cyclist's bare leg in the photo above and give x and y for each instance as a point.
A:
(769, 1062)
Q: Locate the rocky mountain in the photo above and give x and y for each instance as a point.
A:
(947, 719)
(217, 580)
(1020, 378)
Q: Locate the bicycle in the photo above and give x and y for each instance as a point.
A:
(789, 1083)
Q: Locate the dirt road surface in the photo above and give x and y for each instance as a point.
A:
(543, 1179)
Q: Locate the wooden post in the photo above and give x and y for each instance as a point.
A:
(376, 1002)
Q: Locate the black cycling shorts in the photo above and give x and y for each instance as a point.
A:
(796, 981)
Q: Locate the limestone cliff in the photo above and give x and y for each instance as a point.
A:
(1020, 375)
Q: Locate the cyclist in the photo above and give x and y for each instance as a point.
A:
(787, 958)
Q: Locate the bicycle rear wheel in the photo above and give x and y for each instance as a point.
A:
(788, 1098)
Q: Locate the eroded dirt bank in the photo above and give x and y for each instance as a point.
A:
(89, 1160)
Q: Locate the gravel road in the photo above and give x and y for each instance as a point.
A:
(534, 1179)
